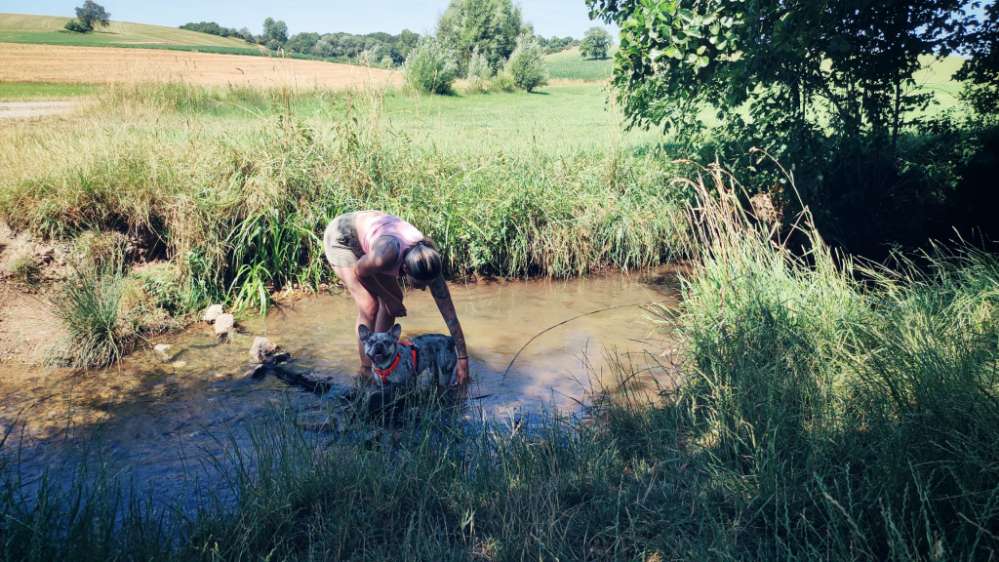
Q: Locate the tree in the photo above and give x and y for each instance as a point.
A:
(556, 44)
(87, 16)
(408, 40)
(791, 64)
(430, 68)
(490, 27)
(596, 43)
(211, 28)
(302, 42)
(275, 32)
(527, 64)
(980, 72)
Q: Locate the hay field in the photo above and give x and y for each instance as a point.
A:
(61, 64)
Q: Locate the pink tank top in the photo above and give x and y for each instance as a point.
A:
(372, 225)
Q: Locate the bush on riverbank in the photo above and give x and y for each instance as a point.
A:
(819, 418)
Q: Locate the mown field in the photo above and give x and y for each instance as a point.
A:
(48, 30)
(570, 65)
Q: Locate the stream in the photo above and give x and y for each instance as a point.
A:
(158, 420)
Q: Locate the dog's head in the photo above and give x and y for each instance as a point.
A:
(380, 347)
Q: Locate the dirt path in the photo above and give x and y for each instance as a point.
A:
(32, 109)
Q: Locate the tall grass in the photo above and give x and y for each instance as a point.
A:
(844, 419)
(827, 410)
(89, 304)
(240, 213)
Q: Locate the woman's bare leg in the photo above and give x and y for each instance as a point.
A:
(367, 306)
(385, 319)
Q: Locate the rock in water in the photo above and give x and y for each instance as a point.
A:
(224, 325)
(212, 313)
(262, 349)
(162, 351)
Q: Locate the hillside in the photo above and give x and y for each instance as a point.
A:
(570, 65)
(48, 30)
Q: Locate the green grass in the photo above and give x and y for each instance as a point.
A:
(237, 184)
(816, 417)
(937, 77)
(562, 118)
(42, 90)
(555, 118)
(570, 65)
(23, 28)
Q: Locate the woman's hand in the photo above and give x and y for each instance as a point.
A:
(395, 307)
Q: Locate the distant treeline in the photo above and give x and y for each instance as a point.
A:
(216, 29)
(379, 48)
(556, 44)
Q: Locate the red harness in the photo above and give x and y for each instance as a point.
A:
(384, 374)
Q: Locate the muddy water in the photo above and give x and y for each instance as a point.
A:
(161, 419)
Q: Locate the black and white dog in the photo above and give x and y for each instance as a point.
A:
(426, 361)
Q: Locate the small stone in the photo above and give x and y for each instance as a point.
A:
(224, 325)
(178, 364)
(212, 313)
(262, 349)
(162, 351)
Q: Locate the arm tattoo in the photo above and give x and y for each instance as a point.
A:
(442, 296)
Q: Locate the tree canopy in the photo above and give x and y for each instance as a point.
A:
(489, 27)
(89, 15)
(275, 32)
(596, 43)
(787, 63)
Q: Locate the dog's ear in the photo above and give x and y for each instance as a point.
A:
(363, 332)
(395, 332)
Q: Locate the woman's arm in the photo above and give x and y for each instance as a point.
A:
(370, 267)
(442, 296)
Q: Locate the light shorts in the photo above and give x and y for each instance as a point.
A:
(340, 242)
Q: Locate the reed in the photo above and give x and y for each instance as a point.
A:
(240, 209)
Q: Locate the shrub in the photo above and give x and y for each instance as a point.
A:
(479, 73)
(527, 65)
(100, 249)
(502, 82)
(430, 68)
(77, 26)
(89, 306)
(26, 269)
(163, 283)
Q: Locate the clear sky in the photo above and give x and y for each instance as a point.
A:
(550, 17)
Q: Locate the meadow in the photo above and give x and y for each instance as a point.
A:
(48, 30)
(570, 65)
(10, 91)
